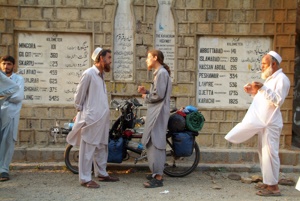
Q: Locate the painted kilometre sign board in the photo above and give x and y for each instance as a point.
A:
(51, 64)
(225, 65)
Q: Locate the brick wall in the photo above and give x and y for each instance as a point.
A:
(193, 18)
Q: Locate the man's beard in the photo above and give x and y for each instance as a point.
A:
(150, 66)
(267, 73)
(106, 68)
(8, 71)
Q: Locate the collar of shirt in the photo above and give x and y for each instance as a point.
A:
(98, 72)
(12, 76)
(274, 74)
(156, 71)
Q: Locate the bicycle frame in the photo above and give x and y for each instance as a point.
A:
(124, 127)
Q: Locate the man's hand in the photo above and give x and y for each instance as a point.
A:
(144, 96)
(256, 86)
(141, 90)
(248, 88)
(253, 87)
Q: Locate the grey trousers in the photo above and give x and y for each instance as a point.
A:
(7, 147)
(0, 126)
(87, 155)
(156, 159)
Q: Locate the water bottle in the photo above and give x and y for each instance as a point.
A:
(68, 126)
(140, 146)
(135, 145)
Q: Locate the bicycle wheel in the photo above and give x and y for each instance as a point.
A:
(71, 158)
(181, 166)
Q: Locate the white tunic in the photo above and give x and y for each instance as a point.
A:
(265, 108)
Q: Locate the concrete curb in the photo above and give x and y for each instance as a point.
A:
(127, 166)
(211, 159)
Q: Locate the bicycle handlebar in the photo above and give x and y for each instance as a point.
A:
(115, 102)
(134, 101)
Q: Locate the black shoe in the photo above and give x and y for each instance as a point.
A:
(4, 176)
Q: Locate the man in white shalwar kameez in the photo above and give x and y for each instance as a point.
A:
(91, 127)
(264, 118)
(10, 115)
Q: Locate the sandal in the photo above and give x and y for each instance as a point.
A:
(108, 178)
(261, 186)
(153, 183)
(90, 184)
(286, 182)
(149, 177)
(4, 176)
(268, 193)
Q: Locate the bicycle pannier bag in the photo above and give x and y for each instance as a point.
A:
(115, 150)
(176, 123)
(183, 143)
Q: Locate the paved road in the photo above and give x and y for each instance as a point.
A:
(61, 185)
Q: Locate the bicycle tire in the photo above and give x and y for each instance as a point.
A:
(181, 166)
(71, 158)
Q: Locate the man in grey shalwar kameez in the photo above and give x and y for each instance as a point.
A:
(91, 127)
(10, 115)
(158, 113)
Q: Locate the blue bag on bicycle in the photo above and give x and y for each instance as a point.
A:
(183, 143)
(115, 150)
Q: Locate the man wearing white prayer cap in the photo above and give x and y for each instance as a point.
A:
(96, 52)
(91, 127)
(276, 56)
(264, 118)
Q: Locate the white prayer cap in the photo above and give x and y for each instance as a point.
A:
(96, 52)
(275, 55)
